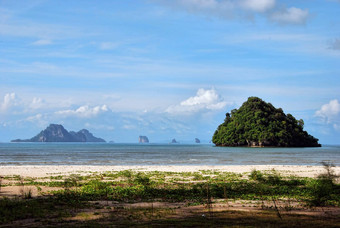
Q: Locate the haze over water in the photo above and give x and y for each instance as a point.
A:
(160, 154)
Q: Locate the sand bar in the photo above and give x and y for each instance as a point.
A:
(45, 171)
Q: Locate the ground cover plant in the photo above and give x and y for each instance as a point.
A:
(187, 198)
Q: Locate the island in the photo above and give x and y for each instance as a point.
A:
(173, 141)
(57, 133)
(258, 123)
(143, 139)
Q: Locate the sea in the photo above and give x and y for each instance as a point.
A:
(98, 154)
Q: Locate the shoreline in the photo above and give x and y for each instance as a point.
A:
(37, 171)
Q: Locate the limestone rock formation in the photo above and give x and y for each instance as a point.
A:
(57, 133)
(143, 139)
(174, 141)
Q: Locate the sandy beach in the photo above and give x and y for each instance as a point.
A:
(44, 171)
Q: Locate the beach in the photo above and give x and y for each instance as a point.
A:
(187, 194)
(55, 170)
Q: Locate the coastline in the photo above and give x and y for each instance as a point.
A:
(55, 170)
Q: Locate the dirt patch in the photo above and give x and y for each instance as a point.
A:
(26, 191)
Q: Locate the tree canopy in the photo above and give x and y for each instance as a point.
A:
(257, 123)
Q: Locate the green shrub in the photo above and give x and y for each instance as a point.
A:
(142, 179)
(256, 175)
(324, 189)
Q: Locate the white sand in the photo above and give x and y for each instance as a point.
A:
(45, 171)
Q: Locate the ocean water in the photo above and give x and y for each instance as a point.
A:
(160, 154)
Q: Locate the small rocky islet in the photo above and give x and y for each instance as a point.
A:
(143, 139)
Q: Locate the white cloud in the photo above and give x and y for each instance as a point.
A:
(330, 112)
(221, 9)
(36, 103)
(36, 117)
(207, 6)
(42, 42)
(205, 100)
(290, 15)
(109, 45)
(97, 126)
(229, 9)
(39, 120)
(10, 99)
(84, 111)
(129, 126)
(19, 104)
(258, 5)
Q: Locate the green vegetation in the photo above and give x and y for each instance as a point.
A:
(108, 198)
(324, 188)
(257, 123)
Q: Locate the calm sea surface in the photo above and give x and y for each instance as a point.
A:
(160, 154)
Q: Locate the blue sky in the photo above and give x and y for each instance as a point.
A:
(166, 69)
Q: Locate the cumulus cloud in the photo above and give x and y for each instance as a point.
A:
(205, 100)
(290, 15)
(329, 112)
(228, 9)
(12, 102)
(10, 99)
(84, 111)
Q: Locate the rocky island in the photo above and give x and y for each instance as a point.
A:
(258, 123)
(173, 141)
(143, 139)
(57, 133)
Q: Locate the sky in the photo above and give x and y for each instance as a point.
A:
(166, 68)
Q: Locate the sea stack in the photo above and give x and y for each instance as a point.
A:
(143, 139)
(174, 141)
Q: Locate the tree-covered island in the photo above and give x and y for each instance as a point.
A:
(258, 123)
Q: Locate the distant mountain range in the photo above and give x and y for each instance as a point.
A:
(57, 133)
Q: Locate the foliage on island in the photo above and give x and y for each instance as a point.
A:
(258, 123)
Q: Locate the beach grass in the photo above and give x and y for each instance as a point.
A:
(178, 198)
